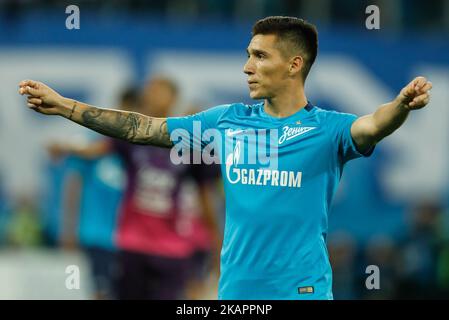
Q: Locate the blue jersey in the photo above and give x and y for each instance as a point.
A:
(103, 182)
(274, 244)
(52, 206)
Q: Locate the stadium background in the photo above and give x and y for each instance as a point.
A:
(381, 201)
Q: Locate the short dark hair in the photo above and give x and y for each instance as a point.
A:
(129, 98)
(297, 32)
(129, 95)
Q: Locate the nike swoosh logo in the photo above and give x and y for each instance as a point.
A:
(231, 132)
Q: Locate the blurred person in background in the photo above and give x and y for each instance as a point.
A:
(421, 250)
(205, 267)
(162, 247)
(197, 206)
(94, 185)
(342, 254)
(51, 201)
(156, 246)
(381, 252)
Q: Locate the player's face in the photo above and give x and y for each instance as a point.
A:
(266, 68)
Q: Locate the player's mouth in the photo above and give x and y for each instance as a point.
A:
(252, 83)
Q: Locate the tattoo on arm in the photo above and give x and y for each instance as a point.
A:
(163, 132)
(73, 110)
(130, 126)
(150, 122)
(156, 133)
(133, 123)
(112, 123)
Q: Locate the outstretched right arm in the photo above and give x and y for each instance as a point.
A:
(130, 126)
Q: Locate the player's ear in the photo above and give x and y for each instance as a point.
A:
(296, 65)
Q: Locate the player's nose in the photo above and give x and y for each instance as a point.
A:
(248, 68)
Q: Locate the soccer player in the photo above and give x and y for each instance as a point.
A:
(153, 234)
(94, 189)
(274, 244)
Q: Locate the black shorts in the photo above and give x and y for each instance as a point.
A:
(143, 276)
(201, 265)
(103, 264)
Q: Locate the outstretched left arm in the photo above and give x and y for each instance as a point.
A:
(370, 129)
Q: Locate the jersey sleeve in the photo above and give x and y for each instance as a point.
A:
(191, 131)
(340, 124)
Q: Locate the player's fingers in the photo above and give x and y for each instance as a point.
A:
(410, 90)
(419, 82)
(23, 90)
(420, 87)
(29, 83)
(23, 83)
(427, 86)
(35, 101)
(38, 109)
(419, 104)
(31, 106)
(421, 98)
(31, 91)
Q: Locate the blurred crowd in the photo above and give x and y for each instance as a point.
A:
(414, 266)
(397, 15)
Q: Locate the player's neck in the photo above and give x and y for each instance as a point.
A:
(285, 105)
